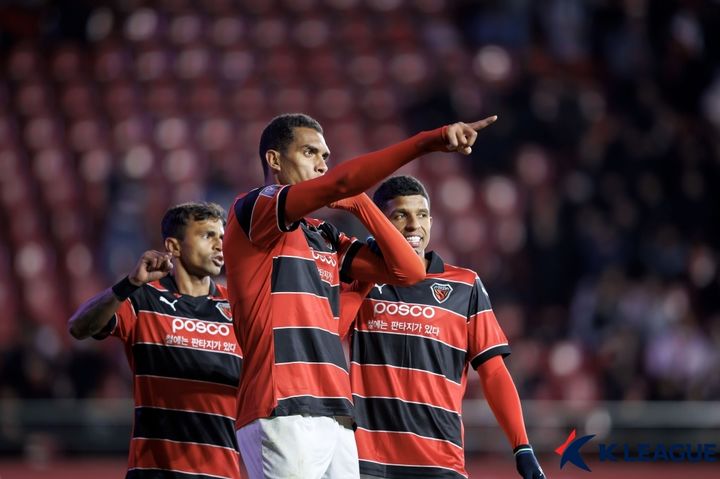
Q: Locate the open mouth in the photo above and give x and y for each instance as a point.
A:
(414, 240)
(218, 260)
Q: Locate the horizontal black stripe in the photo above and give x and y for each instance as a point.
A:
(384, 414)
(150, 299)
(503, 350)
(182, 426)
(408, 352)
(163, 474)
(313, 406)
(406, 472)
(187, 363)
(295, 275)
(459, 300)
(308, 345)
(185, 310)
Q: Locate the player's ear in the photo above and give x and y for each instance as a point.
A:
(272, 158)
(172, 246)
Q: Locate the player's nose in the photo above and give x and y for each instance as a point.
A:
(412, 223)
(321, 167)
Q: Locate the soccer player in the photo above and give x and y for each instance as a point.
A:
(410, 351)
(176, 326)
(283, 272)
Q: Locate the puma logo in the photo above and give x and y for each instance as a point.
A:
(163, 299)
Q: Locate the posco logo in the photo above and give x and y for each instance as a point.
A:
(202, 327)
(327, 258)
(414, 310)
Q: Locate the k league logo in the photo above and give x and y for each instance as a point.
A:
(569, 451)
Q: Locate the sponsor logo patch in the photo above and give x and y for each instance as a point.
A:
(202, 327)
(402, 309)
(327, 258)
(270, 191)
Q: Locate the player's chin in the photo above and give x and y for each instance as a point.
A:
(213, 269)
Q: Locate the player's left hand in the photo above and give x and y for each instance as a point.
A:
(527, 464)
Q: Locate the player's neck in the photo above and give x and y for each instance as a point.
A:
(189, 284)
(425, 259)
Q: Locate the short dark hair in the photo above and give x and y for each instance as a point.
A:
(278, 134)
(178, 217)
(398, 186)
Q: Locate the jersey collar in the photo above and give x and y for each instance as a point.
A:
(436, 265)
(168, 282)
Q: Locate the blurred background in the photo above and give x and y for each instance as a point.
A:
(589, 209)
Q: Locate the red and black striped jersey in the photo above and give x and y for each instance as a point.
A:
(186, 367)
(410, 351)
(284, 288)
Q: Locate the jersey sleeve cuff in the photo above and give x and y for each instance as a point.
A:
(282, 222)
(497, 350)
(347, 261)
(522, 448)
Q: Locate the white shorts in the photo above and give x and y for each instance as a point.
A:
(299, 447)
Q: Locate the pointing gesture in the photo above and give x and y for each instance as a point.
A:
(461, 136)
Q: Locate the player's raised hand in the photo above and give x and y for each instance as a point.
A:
(152, 266)
(461, 136)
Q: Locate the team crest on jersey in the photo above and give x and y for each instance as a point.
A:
(270, 191)
(225, 310)
(441, 291)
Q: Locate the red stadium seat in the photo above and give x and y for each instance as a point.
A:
(112, 61)
(185, 29)
(34, 98)
(67, 64)
(24, 62)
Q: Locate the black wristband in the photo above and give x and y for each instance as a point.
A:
(123, 289)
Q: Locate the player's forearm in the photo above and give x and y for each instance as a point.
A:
(93, 315)
(502, 396)
(357, 175)
(402, 264)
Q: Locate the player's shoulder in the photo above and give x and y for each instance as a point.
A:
(146, 296)
(253, 194)
(459, 274)
(269, 191)
(243, 194)
(221, 292)
(156, 286)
